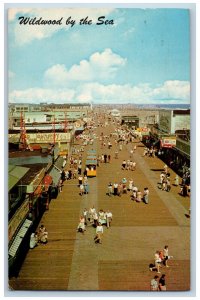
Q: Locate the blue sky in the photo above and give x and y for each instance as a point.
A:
(143, 58)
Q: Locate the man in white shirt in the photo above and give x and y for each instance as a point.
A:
(99, 232)
(108, 218)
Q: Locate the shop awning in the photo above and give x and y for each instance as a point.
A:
(55, 174)
(59, 162)
(15, 174)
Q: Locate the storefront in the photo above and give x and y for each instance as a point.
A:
(19, 229)
(26, 217)
(168, 142)
(130, 121)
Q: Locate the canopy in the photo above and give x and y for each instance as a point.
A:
(91, 157)
(16, 173)
(91, 162)
(91, 152)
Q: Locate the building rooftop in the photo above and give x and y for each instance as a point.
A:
(34, 170)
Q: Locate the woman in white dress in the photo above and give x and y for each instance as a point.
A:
(33, 240)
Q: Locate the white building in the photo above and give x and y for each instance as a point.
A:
(172, 120)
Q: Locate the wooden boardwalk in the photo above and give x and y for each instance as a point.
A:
(72, 261)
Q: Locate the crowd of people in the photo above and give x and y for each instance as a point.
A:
(165, 183)
(97, 219)
(161, 258)
(40, 237)
(91, 217)
(149, 152)
(128, 165)
(103, 158)
(83, 185)
(158, 284)
(124, 186)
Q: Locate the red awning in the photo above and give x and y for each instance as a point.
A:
(168, 142)
(166, 145)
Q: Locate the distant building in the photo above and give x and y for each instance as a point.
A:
(172, 120)
(47, 123)
(115, 113)
(172, 136)
(130, 121)
(87, 107)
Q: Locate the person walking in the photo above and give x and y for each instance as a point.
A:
(139, 196)
(110, 189)
(176, 180)
(168, 185)
(108, 218)
(81, 187)
(115, 189)
(86, 188)
(79, 168)
(85, 215)
(162, 284)
(131, 153)
(146, 195)
(130, 185)
(60, 185)
(116, 154)
(99, 232)
(166, 256)
(154, 283)
(80, 180)
(157, 262)
(120, 189)
(81, 225)
(124, 165)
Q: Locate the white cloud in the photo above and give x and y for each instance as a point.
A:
(169, 92)
(27, 33)
(37, 95)
(173, 89)
(100, 66)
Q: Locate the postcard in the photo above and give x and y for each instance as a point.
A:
(99, 149)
